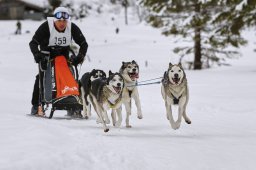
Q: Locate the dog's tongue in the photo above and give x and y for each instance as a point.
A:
(117, 89)
(134, 75)
(175, 80)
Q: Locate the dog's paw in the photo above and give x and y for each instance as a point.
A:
(177, 126)
(98, 121)
(188, 121)
(107, 121)
(84, 114)
(117, 124)
(106, 130)
(89, 114)
(173, 125)
(128, 126)
(139, 116)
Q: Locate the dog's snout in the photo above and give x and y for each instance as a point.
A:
(118, 84)
(134, 70)
(176, 75)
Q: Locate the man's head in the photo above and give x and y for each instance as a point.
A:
(61, 15)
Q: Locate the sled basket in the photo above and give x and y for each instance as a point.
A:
(67, 103)
(60, 86)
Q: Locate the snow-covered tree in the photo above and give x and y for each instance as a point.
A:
(208, 23)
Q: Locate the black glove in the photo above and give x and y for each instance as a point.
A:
(77, 59)
(38, 57)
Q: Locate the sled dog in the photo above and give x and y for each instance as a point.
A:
(175, 92)
(106, 94)
(85, 83)
(130, 73)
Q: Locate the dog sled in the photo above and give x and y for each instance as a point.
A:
(59, 85)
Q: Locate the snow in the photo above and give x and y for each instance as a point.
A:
(222, 108)
(240, 6)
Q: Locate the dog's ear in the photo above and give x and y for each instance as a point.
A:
(134, 62)
(180, 64)
(121, 78)
(165, 75)
(124, 64)
(91, 73)
(110, 73)
(103, 74)
(170, 65)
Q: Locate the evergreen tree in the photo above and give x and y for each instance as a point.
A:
(209, 24)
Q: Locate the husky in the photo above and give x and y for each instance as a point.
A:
(106, 94)
(85, 86)
(175, 92)
(130, 73)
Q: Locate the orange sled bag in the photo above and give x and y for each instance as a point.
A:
(66, 84)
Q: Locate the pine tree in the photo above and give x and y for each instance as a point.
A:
(208, 23)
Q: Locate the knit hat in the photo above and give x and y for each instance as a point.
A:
(60, 9)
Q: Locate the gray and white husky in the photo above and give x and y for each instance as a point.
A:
(106, 94)
(175, 91)
(130, 73)
(85, 83)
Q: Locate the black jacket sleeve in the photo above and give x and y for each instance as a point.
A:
(80, 40)
(40, 39)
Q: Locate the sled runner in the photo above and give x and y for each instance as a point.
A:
(59, 85)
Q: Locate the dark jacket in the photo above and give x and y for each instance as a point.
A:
(42, 35)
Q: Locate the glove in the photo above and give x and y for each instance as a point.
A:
(38, 57)
(77, 59)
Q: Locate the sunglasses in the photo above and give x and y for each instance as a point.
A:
(60, 15)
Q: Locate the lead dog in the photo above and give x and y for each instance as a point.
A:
(175, 91)
(130, 73)
(106, 94)
(85, 83)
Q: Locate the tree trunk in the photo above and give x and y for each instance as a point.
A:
(125, 5)
(197, 40)
(138, 13)
(126, 17)
(197, 48)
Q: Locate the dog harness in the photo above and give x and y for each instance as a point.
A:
(106, 93)
(130, 85)
(176, 100)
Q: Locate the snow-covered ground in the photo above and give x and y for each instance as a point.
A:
(222, 108)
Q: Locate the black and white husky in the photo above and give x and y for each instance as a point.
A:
(175, 92)
(130, 73)
(85, 82)
(106, 94)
